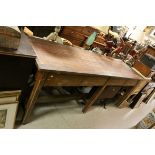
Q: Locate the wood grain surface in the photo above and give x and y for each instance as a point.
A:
(60, 58)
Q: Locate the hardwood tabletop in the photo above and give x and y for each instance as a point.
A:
(24, 50)
(62, 58)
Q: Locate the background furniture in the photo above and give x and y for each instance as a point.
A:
(79, 34)
(16, 68)
(142, 68)
(59, 65)
(151, 50)
(136, 99)
(148, 58)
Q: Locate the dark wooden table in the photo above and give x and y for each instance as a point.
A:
(60, 65)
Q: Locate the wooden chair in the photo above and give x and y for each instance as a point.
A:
(123, 50)
(126, 49)
(143, 69)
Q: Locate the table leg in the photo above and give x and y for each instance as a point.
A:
(39, 82)
(94, 97)
(150, 96)
(123, 102)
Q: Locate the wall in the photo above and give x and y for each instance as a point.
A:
(140, 33)
(136, 33)
(103, 28)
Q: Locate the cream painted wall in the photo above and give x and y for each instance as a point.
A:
(139, 35)
(136, 33)
(103, 28)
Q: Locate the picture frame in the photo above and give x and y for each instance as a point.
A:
(8, 108)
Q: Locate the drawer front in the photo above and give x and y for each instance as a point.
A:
(88, 30)
(74, 80)
(130, 82)
(122, 82)
(75, 28)
(116, 82)
(75, 41)
(74, 34)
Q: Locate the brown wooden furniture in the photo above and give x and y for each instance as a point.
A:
(148, 57)
(79, 34)
(143, 69)
(16, 67)
(151, 50)
(135, 91)
(60, 65)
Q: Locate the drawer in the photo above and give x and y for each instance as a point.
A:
(74, 34)
(74, 80)
(75, 28)
(116, 82)
(88, 30)
(122, 82)
(130, 82)
(75, 41)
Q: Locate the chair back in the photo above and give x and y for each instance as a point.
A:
(143, 69)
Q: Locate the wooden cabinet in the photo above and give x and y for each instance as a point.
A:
(79, 34)
(87, 30)
(16, 68)
(74, 34)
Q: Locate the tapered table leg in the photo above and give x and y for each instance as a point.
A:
(39, 82)
(94, 97)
